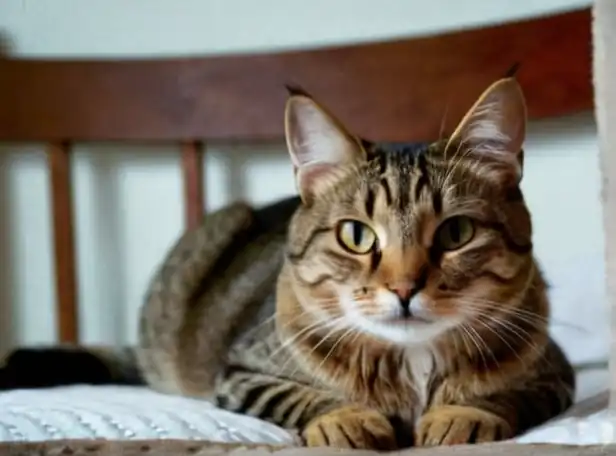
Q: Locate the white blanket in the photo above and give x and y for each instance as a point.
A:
(118, 412)
(114, 412)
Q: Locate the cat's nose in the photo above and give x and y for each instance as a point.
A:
(404, 292)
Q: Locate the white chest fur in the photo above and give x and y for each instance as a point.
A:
(421, 365)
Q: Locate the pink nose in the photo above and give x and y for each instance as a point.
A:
(403, 290)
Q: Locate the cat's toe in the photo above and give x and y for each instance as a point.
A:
(451, 425)
(351, 427)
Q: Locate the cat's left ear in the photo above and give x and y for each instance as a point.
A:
(494, 130)
(320, 147)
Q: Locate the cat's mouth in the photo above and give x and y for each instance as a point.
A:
(408, 319)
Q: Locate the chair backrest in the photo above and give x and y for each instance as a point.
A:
(392, 91)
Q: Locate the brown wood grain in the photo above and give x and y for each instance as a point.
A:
(170, 447)
(391, 91)
(192, 171)
(59, 164)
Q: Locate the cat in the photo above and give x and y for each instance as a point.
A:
(394, 301)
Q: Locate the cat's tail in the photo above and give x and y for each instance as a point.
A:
(50, 366)
(184, 275)
(178, 278)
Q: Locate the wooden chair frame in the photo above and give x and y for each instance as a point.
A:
(393, 91)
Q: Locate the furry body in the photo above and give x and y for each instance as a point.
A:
(281, 313)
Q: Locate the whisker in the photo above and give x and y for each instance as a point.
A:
(315, 326)
(292, 355)
(441, 133)
(319, 343)
(474, 342)
(485, 345)
(350, 378)
(468, 348)
(333, 347)
(515, 330)
(525, 315)
(489, 328)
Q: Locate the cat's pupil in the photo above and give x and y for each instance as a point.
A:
(454, 232)
(357, 233)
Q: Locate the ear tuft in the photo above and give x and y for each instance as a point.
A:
(511, 72)
(293, 90)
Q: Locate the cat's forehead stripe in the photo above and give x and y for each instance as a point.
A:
(437, 201)
(409, 166)
(404, 185)
(387, 191)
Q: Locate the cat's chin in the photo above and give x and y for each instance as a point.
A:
(405, 331)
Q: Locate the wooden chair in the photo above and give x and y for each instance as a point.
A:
(393, 91)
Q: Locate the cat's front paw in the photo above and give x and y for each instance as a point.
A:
(451, 425)
(351, 427)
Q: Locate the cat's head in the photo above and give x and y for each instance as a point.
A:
(407, 244)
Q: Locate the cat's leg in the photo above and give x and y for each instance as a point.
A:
(546, 392)
(322, 418)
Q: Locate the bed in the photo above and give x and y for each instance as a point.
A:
(384, 90)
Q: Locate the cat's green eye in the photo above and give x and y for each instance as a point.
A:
(454, 233)
(355, 236)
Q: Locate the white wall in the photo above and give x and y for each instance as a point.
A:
(129, 206)
(169, 27)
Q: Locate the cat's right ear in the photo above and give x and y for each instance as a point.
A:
(493, 131)
(319, 145)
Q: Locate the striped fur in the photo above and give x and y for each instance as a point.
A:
(267, 312)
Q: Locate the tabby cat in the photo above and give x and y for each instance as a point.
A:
(395, 301)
